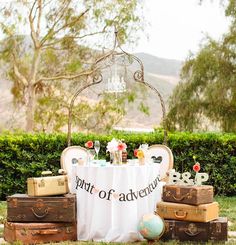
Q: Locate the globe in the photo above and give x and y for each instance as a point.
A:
(151, 226)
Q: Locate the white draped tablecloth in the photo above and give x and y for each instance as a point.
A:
(112, 199)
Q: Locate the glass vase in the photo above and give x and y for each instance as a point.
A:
(117, 157)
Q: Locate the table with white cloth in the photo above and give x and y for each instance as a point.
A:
(112, 199)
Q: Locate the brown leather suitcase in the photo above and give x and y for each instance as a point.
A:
(215, 230)
(194, 195)
(23, 208)
(179, 211)
(34, 233)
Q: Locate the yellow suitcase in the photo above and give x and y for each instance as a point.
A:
(178, 211)
(47, 186)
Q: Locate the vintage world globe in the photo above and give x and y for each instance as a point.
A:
(151, 226)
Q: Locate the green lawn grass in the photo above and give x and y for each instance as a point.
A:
(227, 209)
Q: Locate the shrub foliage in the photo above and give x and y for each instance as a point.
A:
(27, 155)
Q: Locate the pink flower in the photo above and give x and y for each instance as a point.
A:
(136, 152)
(89, 144)
(121, 146)
(196, 167)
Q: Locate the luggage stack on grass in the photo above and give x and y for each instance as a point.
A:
(46, 214)
(190, 214)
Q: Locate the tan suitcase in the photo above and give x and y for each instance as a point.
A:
(179, 211)
(47, 186)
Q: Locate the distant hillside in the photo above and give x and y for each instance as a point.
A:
(161, 66)
(160, 73)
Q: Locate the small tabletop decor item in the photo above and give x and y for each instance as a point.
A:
(116, 147)
(185, 178)
(151, 226)
(91, 151)
(140, 153)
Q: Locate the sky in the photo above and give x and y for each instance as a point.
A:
(177, 27)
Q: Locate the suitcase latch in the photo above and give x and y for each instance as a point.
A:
(23, 232)
(14, 202)
(41, 183)
(61, 182)
(218, 227)
(65, 203)
(69, 230)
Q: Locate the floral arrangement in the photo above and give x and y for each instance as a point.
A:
(141, 152)
(115, 147)
(91, 152)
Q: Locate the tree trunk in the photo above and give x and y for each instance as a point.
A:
(30, 105)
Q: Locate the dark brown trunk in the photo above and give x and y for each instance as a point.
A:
(194, 195)
(196, 231)
(22, 208)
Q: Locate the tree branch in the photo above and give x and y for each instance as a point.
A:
(62, 11)
(66, 25)
(39, 17)
(16, 70)
(31, 21)
(90, 34)
(69, 77)
(49, 45)
(72, 22)
(18, 74)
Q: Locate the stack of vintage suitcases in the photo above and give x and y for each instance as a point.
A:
(46, 214)
(190, 214)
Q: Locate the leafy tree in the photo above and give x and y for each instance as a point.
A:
(57, 47)
(206, 94)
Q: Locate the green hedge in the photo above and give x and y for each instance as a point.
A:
(27, 155)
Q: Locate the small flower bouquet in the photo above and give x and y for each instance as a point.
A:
(115, 147)
(140, 153)
(89, 145)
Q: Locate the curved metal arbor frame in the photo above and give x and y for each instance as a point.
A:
(96, 78)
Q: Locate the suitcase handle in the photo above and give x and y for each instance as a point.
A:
(188, 195)
(47, 232)
(180, 216)
(40, 216)
(192, 234)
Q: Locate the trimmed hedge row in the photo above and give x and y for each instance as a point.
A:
(27, 155)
